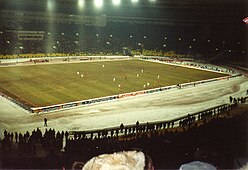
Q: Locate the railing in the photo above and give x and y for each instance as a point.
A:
(153, 126)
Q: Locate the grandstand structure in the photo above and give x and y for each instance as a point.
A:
(206, 35)
(161, 26)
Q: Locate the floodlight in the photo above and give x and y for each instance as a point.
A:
(98, 3)
(50, 5)
(81, 4)
(116, 2)
(135, 1)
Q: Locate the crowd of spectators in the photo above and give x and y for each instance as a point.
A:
(217, 140)
(27, 142)
(238, 99)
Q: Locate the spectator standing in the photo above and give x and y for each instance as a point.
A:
(45, 122)
(16, 136)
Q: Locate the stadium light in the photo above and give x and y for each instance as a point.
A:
(135, 1)
(50, 5)
(81, 4)
(98, 3)
(116, 2)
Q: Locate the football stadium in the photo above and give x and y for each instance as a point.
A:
(123, 84)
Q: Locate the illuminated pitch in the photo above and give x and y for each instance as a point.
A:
(50, 84)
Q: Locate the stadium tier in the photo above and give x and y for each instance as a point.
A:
(123, 84)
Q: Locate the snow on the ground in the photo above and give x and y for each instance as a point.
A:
(164, 105)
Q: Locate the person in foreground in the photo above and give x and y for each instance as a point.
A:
(125, 160)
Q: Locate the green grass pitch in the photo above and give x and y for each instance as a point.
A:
(43, 85)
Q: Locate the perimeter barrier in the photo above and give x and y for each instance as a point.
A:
(137, 128)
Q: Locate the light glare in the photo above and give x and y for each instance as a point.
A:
(50, 5)
(98, 3)
(116, 2)
(81, 4)
(135, 1)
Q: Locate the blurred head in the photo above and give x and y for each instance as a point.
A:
(197, 165)
(126, 160)
(77, 166)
